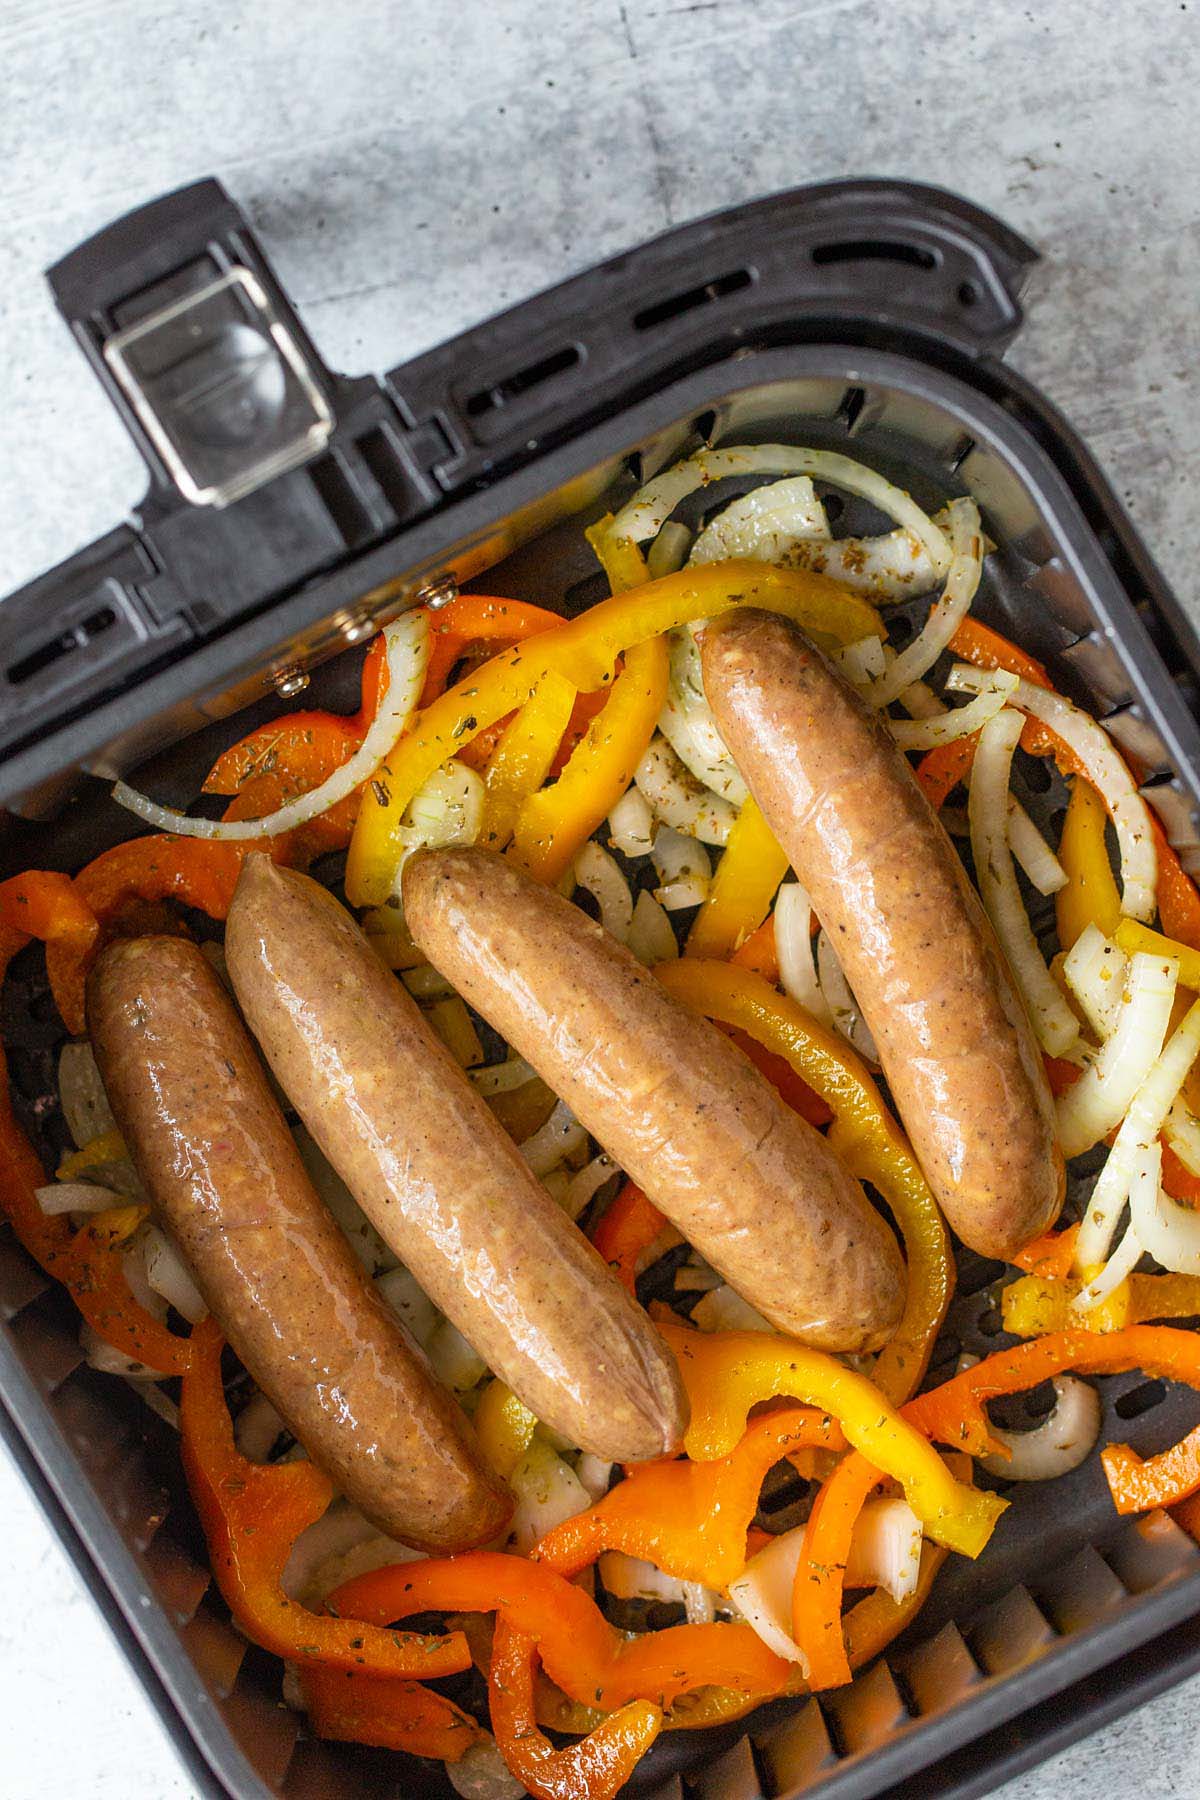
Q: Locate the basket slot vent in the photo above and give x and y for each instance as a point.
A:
(796, 1750)
(896, 250)
(733, 1776)
(21, 1281)
(869, 1710)
(1101, 673)
(50, 1352)
(1177, 810)
(513, 387)
(1139, 740)
(1080, 1594)
(940, 1671)
(675, 305)
(1009, 1633)
(960, 453)
(215, 1648)
(176, 1577)
(266, 1730)
(1154, 1550)
(1063, 597)
(1141, 1399)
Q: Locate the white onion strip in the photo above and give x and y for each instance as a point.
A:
(1055, 1446)
(1094, 969)
(559, 1137)
(678, 799)
(1169, 1231)
(1138, 1131)
(407, 658)
(844, 1008)
(1182, 1133)
(794, 949)
(1032, 851)
(1101, 1097)
(77, 1196)
(987, 810)
(502, 1078)
(956, 722)
(683, 868)
(597, 873)
(765, 524)
(946, 613)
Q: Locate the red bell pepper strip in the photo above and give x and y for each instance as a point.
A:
(626, 1231)
(783, 1078)
(383, 1710)
(252, 1514)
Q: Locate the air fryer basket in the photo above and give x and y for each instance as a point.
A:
(1071, 1613)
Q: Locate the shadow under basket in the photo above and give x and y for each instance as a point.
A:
(798, 321)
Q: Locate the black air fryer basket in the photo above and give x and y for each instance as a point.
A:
(291, 511)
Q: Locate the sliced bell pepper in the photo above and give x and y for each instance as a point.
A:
(299, 751)
(1037, 1304)
(252, 1514)
(1060, 1074)
(941, 769)
(585, 651)
(472, 619)
(504, 1427)
(758, 952)
(863, 1134)
(627, 1229)
(749, 872)
(595, 1768)
(1178, 1179)
(1178, 899)
(784, 1079)
(43, 904)
(521, 760)
(821, 1572)
(620, 558)
(977, 643)
(1091, 896)
(1049, 1256)
(728, 1373)
(354, 1708)
(554, 825)
(1163, 1480)
(690, 1519)
(582, 713)
(1132, 937)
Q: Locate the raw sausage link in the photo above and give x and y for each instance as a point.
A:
(917, 948)
(753, 1186)
(219, 1163)
(438, 1177)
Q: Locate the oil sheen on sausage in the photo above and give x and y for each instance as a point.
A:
(917, 948)
(753, 1186)
(437, 1176)
(218, 1161)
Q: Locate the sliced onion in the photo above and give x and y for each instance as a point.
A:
(598, 874)
(669, 551)
(918, 698)
(548, 1493)
(987, 809)
(81, 1095)
(1136, 1136)
(76, 1197)
(1169, 1231)
(689, 724)
(699, 1603)
(947, 612)
(957, 721)
(678, 799)
(762, 1593)
(341, 1545)
(454, 1025)
(583, 1187)
(366, 1243)
(502, 1078)
(632, 1578)
(651, 938)
(644, 516)
(402, 1292)
(683, 868)
(1106, 1280)
(861, 663)
(722, 1309)
(481, 1773)
(170, 1276)
(454, 1360)
(559, 1137)
(1095, 970)
(595, 1474)
(103, 1357)
(631, 824)
(894, 566)
(763, 525)
(1058, 1444)
(843, 1007)
(257, 1429)
(1182, 1133)
(407, 659)
(1031, 850)
(447, 809)
(794, 950)
(885, 1548)
(1099, 1100)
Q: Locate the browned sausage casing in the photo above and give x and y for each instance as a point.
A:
(219, 1163)
(437, 1176)
(753, 1186)
(909, 930)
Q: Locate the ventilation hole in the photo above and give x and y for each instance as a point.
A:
(850, 405)
(490, 399)
(917, 256)
(49, 653)
(1038, 777)
(834, 506)
(1140, 1400)
(678, 304)
(704, 425)
(990, 1323)
(977, 1272)
(962, 450)
(968, 293)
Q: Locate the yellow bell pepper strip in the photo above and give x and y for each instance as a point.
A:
(690, 1519)
(554, 825)
(521, 760)
(1035, 1305)
(585, 651)
(108, 1147)
(620, 558)
(1137, 1485)
(595, 1768)
(252, 1514)
(727, 1373)
(1132, 937)
(751, 868)
(589, 1659)
(863, 1134)
(382, 1710)
(1091, 896)
(504, 1427)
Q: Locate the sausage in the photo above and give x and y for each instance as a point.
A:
(753, 1186)
(915, 943)
(439, 1179)
(226, 1180)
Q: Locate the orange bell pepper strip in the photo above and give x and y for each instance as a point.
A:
(301, 750)
(1178, 899)
(977, 643)
(1050, 1256)
(43, 904)
(863, 1134)
(749, 872)
(582, 713)
(595, 1768)
(1178, 1179)
(941, 769)
(627, 1229)
(521, 760)
(252, 1514)
(382, 1710)
(477, 619)
(690, 1519)
(727, 1373)
(1163, 1480)
(554, 825)
(758, 952)
(821, 1572)
(784, 1079)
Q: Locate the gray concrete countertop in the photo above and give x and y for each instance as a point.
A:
(412, 168)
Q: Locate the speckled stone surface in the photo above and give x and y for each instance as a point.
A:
(412, 167)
